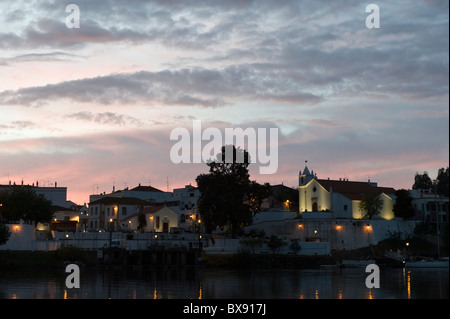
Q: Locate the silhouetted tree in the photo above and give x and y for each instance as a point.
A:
(403, 207)
(422, 181)
(442, 186)
(4, 234)
(370, 205)
(226, 191)
(22, 202)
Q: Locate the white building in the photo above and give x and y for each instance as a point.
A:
(156, 219)
(188, 203)
(147, 193)
(108, 213)
(325, 198)
(57, 195)
(424, 202)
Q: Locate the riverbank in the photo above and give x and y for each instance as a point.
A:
(242, 259)
(10, 259)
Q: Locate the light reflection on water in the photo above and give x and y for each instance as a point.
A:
(395, 283)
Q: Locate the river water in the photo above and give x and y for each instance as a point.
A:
(395, 283)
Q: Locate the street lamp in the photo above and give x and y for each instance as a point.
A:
(199, 235)
(437, 218)
(110, 231)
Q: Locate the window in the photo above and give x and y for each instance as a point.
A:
(96, 211)
(182, 218)
(124, 211)
(157, 222)
(345, 208)
(108, 211)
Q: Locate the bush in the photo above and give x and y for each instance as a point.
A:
(4, 233)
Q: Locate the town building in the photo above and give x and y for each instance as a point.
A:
(56, 194)
(428, 205)
(147, 193)
(329, 212)
(109, 213)
(281, 198)
(325, 198)
(153, 219)
(187, 203)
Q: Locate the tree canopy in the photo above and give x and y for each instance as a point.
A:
(228, 197)
(422, 181)
(4, 234)
(442, 186)
(370, 205)
(22, 202)
(403, 207)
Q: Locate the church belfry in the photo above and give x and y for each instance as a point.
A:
(305, 176)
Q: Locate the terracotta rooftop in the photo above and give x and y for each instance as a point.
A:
(354, 190)
(120, 201)
(146, 189)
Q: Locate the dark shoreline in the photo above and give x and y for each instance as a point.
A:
(178, 258)
(10, 260)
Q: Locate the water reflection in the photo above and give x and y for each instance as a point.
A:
(227, 284)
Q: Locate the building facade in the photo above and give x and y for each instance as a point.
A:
(187, 199)
(428, 205)
(153, 219)
(108, 213)
(325, 198)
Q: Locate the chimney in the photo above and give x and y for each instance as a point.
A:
(56, 184)
(37, 183)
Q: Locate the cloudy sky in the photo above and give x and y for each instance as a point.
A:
(94, 106)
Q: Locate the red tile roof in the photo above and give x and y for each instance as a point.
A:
(354, 190)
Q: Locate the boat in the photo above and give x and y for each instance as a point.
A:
(443, 263)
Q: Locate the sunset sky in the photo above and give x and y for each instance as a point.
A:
(94, 106)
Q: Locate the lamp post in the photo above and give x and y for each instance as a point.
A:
(110, 232)
(199, 233)
(437, 218)
(407, 250)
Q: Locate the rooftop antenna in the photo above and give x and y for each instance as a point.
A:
(167, 183)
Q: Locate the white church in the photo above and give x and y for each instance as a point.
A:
(325, 198)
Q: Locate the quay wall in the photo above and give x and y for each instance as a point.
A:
(342, 234)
